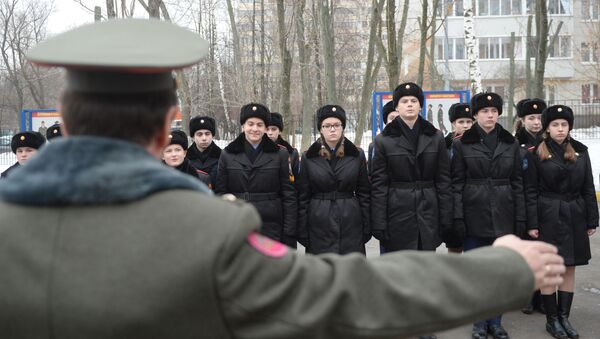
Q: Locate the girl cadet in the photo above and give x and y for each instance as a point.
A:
(255, 169)
(487, 186)
(333, 190)
(411, 201)
(562, 208)
(174, 155)
(25, 146)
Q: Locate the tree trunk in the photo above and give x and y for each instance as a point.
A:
(286, 64)
(423, 44)
(400, 35)
(392, 65)
(110, 9)
(263, 85)
(254, 88)
(370, 71)
(153, 8)
(97, 14)
(511, 81)
(528, 82)
(307, 86)
(315, 37)
(542, 35)
(329, 51)
(432, 67)
(237, 54)
(472, 49)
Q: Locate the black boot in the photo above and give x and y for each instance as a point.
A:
(565, 299)
(553, 326)
(533, 303)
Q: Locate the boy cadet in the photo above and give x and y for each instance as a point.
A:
(89, 251)
(25, 146)
(204, 153)
(274, 133)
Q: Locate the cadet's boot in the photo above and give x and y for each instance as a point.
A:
(429, 336)
(553, 326)
(532, 303)
(565, 299)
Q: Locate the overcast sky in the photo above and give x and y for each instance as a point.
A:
(68, 14)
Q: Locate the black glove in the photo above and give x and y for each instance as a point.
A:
(380, 235)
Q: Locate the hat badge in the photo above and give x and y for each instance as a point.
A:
(559, 109)
(170, 136)
(334, 109)
(55, 131)
(254, 108)
(407, 86)
(467, 109)
(202, 121)
(489, 97)
(534, 106)
(22, 137)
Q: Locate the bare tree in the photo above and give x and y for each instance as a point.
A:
(327, 37)
(237, 54)
(286, 63)
(307, 107)
(472, 49)
(541, 14)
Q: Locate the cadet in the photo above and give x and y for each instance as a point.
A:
(274, 133)
(174, 156)
(90, 251)
(488, 187)
(257, 170)
(25, 146)
(388, 113)
(529, 131)
(204, 154)
(461, 119)
(562, 208)
(53, 132)
(333, 189)
(411, 201)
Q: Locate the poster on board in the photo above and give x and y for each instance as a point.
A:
(40, 121)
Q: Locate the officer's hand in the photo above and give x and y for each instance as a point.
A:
(543, 259)
(535, 233)
(591, 231)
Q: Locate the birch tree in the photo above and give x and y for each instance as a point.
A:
(472, 45)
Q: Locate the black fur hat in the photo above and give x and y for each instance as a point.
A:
(253, 110)
(27, 139)
(178, 137)
(331, 111)
(202, 122)
(386, 110)
(276, 120)
(557, 112)
(530, 106)
(408, 89)
(483, 100)
(53, 132)
(459, 110)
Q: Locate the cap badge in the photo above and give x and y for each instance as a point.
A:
(22, 137)
(467, 109)
(559, 109)
(202, 121)
(489, 97)
(55, 131)
(170, 136)
(254, 108)
(407, 86)
(534, 106)
(334, 109)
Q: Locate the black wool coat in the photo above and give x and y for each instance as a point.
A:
(10, 169)
(265, 183)
(561, 203)
(294, 157)
(210, 164)
(411, 200)
(334, 222)
(187, 168)
(488, 185)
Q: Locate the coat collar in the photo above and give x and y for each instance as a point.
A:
(237, 145)
(285, 144)
(525, 138)
(577, 146)
(214, 151)
(394, 128)
(471, 136)
(349, 149)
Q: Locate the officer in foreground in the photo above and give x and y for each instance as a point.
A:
(104, 241)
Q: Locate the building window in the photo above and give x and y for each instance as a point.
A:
(499, 7)
(590, 9)
(498, 48)
(456, 49)
(559, 6)
(589, 94)
(589, 52)
(450, 8)
(561, 48)
(496, 89)
(549, 93)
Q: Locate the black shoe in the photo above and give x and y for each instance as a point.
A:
(528, 309)
(498, 332)
(534, 303)
(565, 299)
(553, 326)
(429, 336)
(479, 333)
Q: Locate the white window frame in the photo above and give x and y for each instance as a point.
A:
(593, 96)
(589, 52)
(500, 8)
(587, 10)
(560, 45)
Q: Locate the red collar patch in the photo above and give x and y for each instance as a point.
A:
(267, 246)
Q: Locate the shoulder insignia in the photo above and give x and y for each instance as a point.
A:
(267, 246)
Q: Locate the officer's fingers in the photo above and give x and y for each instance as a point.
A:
(543, 247)
(551, 281)
(551, 258)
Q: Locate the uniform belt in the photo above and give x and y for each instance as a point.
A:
(560, 196)
(489, 181)
(412, 184)
(247, 196)
(333, 195)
